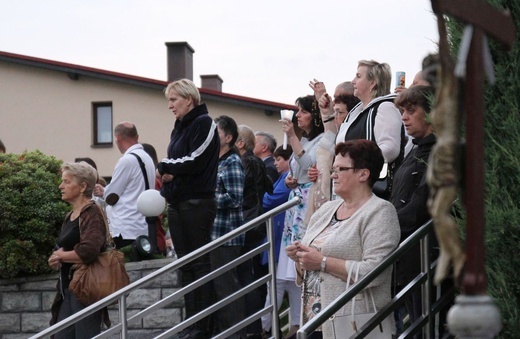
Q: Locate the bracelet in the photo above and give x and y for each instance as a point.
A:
(323, 264)
(302, 152)
(329, 119)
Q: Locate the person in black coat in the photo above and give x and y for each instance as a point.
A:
(189, 180)
(410, 190)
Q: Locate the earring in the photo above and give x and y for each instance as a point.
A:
(316, 112)
(315, 105)
(317, 120)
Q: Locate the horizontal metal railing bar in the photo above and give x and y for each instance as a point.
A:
(109, 300)
(443, 301)
(215, 307)
(201, 281)
(188, 288)
(250, 319)
(75, 317)
(285, 313)
(414, 328)
(392, 305)
(342, 299)
(192, 286)
(436, 308)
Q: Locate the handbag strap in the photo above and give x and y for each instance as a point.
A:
(143, 170)
(349, 278)
(367, 293)
(353, 303)
(109, 239)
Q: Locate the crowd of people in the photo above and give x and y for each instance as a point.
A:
(356, 158)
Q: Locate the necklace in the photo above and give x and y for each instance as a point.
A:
(342, 212)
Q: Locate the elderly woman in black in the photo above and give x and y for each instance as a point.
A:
(81, 240)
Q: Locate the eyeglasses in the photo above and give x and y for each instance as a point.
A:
(336, 170)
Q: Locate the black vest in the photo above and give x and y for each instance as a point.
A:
(363, 128)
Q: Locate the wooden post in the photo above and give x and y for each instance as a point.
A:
(475, 314)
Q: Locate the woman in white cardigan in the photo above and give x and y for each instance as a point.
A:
(358, 229)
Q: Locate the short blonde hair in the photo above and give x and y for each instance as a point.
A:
(82, 172)
(381, 74)
(245, 133)
(185, 88)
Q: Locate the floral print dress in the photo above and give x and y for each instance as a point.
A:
(311, 301)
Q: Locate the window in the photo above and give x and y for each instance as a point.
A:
(102, 124)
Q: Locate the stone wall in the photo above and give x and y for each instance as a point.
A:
(25, 302)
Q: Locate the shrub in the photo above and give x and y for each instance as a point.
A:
(31, 212)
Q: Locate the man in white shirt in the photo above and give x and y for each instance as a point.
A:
(128, 182)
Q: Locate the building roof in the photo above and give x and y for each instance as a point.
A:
(75, 71)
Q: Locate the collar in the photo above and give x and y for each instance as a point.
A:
(429, 139)
(134, 147)
(193, 114)
(228, 153)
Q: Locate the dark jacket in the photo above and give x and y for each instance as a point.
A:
(192, 158)
(409, 196)
(272, 172)
(93, 234)
(256, 184)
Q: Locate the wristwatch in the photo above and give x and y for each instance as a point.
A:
(323, 264)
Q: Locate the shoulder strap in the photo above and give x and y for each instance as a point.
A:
(108, 239)
(109, 236)
(143, 169)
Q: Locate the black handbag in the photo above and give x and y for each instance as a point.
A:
(383, 186)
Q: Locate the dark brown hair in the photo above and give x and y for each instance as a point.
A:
(284, 153)
(421, 96)
(308, 103)
(364, 154)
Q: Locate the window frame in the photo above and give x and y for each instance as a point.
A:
(95, 120)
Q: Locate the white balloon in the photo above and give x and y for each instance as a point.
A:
(151, 203)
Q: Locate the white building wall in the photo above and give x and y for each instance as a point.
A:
(44, 109)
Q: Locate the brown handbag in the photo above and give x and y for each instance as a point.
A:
(102, 277)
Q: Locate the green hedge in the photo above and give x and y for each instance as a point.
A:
(31, 212)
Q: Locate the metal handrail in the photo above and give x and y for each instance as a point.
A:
(346, 296)
(120, 296)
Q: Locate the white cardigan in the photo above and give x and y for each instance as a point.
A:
(367, 237)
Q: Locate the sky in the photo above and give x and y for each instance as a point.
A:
(267, 49)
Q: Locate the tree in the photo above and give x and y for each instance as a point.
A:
(31, 212)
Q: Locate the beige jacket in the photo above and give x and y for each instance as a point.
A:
(367, 237)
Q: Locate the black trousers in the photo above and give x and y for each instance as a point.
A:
(248, 272)
(190, 225)
(85, 328)
(225, 285)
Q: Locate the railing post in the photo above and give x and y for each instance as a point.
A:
(123, 318)
(425, 288)
(275, 324)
